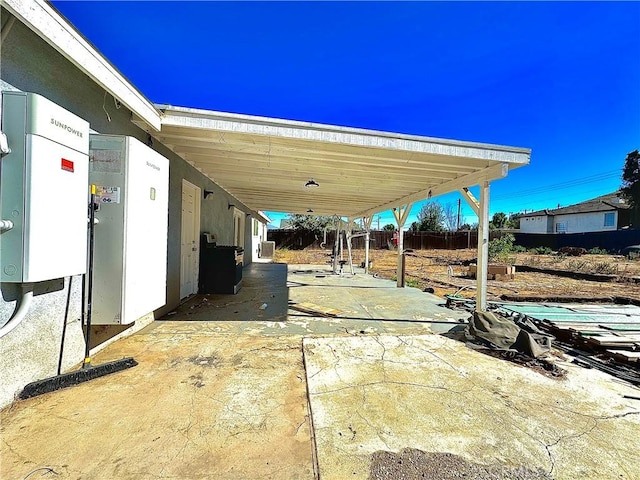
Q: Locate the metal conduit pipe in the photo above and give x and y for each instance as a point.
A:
(21, 312)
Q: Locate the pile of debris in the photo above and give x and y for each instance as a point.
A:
(515, 340)
(605, 337)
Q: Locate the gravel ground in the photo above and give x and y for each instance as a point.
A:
(412, 464)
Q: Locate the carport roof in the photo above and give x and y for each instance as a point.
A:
(266, 163)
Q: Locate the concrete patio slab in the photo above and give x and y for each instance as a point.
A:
(197, 406)
(222, 386)
(367, 304)
(387, 393)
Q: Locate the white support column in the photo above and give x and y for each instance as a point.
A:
(401, 214)
(483, 248)
(349, 234)
(471, 200)
(335, 245)
(367, 227)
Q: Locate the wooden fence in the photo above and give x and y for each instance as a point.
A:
(611, 241)
(301, 239)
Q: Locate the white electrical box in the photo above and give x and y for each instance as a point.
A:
(130, 249)
(43, 190)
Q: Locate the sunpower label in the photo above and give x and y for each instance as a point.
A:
(51, 121)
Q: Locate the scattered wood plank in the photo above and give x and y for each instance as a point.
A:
(625, 355)
(614, 341)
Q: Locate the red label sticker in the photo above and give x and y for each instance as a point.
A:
(67, 165)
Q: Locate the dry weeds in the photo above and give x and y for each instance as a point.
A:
(429, 269)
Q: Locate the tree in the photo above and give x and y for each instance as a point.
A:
(630, 188)
(631, 179)
(317, 223)
(499, 220)
(314, 223)
(431, 217)
(513, 221)
(389, 227)
(450, 213)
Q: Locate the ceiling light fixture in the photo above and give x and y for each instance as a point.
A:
(309, 211)
(312, 184)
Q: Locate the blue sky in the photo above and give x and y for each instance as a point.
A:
(561, 78)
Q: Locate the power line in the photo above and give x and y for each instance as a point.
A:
(562, 185)
(555, 199)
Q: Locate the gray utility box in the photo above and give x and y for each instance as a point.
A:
(130, 253)
(267, 249)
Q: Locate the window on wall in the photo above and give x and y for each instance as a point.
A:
(255, 227)
(609, 219)
(561, 227)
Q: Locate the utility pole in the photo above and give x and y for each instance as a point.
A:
(458, 227)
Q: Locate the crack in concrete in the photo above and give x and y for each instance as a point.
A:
(505, 401)
(248, 421)
(19, 455)
(378, 433)
(466, 377)
(384, 348)
(306, 418)
(391, 382)
(588, 431)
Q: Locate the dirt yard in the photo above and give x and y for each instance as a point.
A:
(429, 269)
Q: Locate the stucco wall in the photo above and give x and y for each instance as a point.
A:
(536, 224)
(31, 351)
(575, 223)
(585, 222)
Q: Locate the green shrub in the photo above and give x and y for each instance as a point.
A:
(500, 248)
(598, 251)
(519, 249)
(543, 251)
(412, 282)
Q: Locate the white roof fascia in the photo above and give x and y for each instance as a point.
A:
(246, 124)
(47, 23)
(262, 217)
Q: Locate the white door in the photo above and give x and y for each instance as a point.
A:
(189, 245)
(238, 227)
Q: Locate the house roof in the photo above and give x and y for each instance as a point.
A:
(53, 28)
(604, 203)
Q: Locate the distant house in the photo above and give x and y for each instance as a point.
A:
(607, 212)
